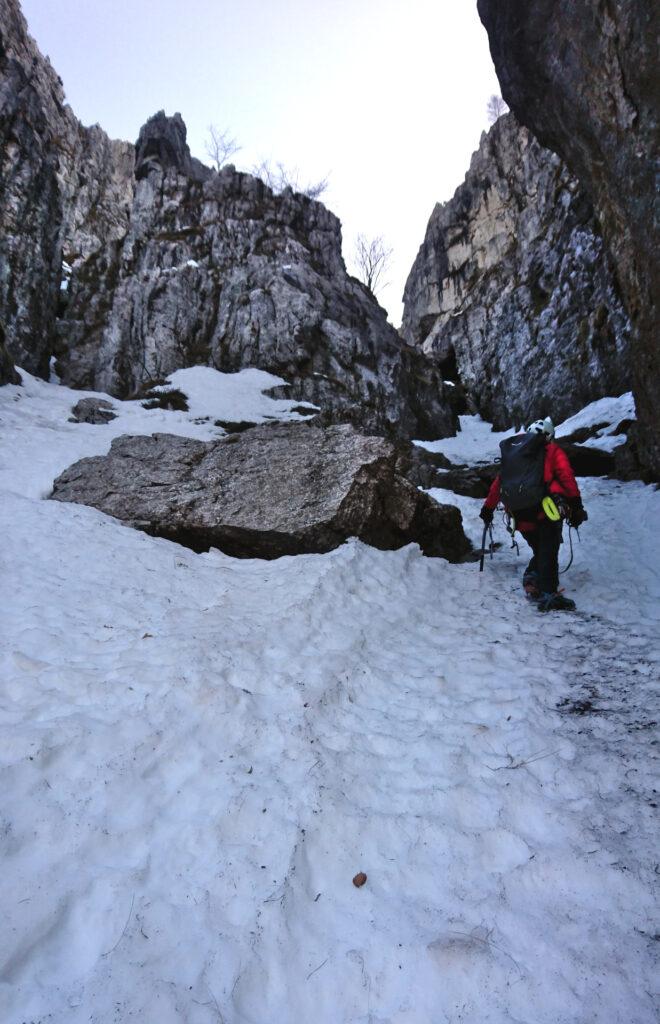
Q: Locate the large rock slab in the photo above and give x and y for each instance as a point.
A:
(275, 490)
(583, 76)
(513, 290)
(588, 461)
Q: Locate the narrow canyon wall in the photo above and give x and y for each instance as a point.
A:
(512, 289)
(35, 130)
(58, 181)
(583, 75)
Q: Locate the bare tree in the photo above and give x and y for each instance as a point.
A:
(278, 177)
(220, 146)
(495, 108)
(373, 259)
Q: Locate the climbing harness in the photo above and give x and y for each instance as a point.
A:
(554, 514)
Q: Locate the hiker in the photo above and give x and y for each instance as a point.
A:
(534, 469)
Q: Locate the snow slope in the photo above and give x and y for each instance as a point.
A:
(610, 411)
(39, 441)
(197, 754)
(475, 442)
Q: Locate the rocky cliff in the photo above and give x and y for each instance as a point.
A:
(58, 180)
(215, 268)
(169, 264)
(583, 76)
(512, 289)
(34, 125)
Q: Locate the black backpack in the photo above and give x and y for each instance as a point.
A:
(521, 473)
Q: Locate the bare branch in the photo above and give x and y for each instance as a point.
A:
(220, 146)
(495, 108)
(279, 177)
(372, 258)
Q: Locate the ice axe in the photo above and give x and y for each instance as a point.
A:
(488, 529)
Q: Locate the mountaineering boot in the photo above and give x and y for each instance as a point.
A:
(531, 585)
(555, 602)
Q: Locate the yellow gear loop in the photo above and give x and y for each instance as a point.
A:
(551, 510)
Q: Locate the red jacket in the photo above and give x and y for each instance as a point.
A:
(558, 476)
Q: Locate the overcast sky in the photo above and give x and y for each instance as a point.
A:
(387, 98)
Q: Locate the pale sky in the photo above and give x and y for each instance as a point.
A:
(387, 98)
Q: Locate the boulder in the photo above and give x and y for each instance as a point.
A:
(470, 481)
(421, 467)
(433, 469)
(93, 410)
(281, 489)
(588, 461)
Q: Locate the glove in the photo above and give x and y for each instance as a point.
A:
(577, 513)
(486, 514)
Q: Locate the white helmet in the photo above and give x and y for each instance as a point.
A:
(545, 426)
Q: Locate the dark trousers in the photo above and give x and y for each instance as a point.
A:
(544, 542)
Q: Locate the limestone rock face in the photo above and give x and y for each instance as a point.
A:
(217, 269)
(34, 125)
(512, 289)
(274, 490)
(58, 180)
(169, 264)
(583, 76)
(162, 145)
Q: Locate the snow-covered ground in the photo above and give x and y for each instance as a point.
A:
(197, 754)
(39, 442)
(475, 442)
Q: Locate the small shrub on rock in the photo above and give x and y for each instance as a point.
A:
(172, 399)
